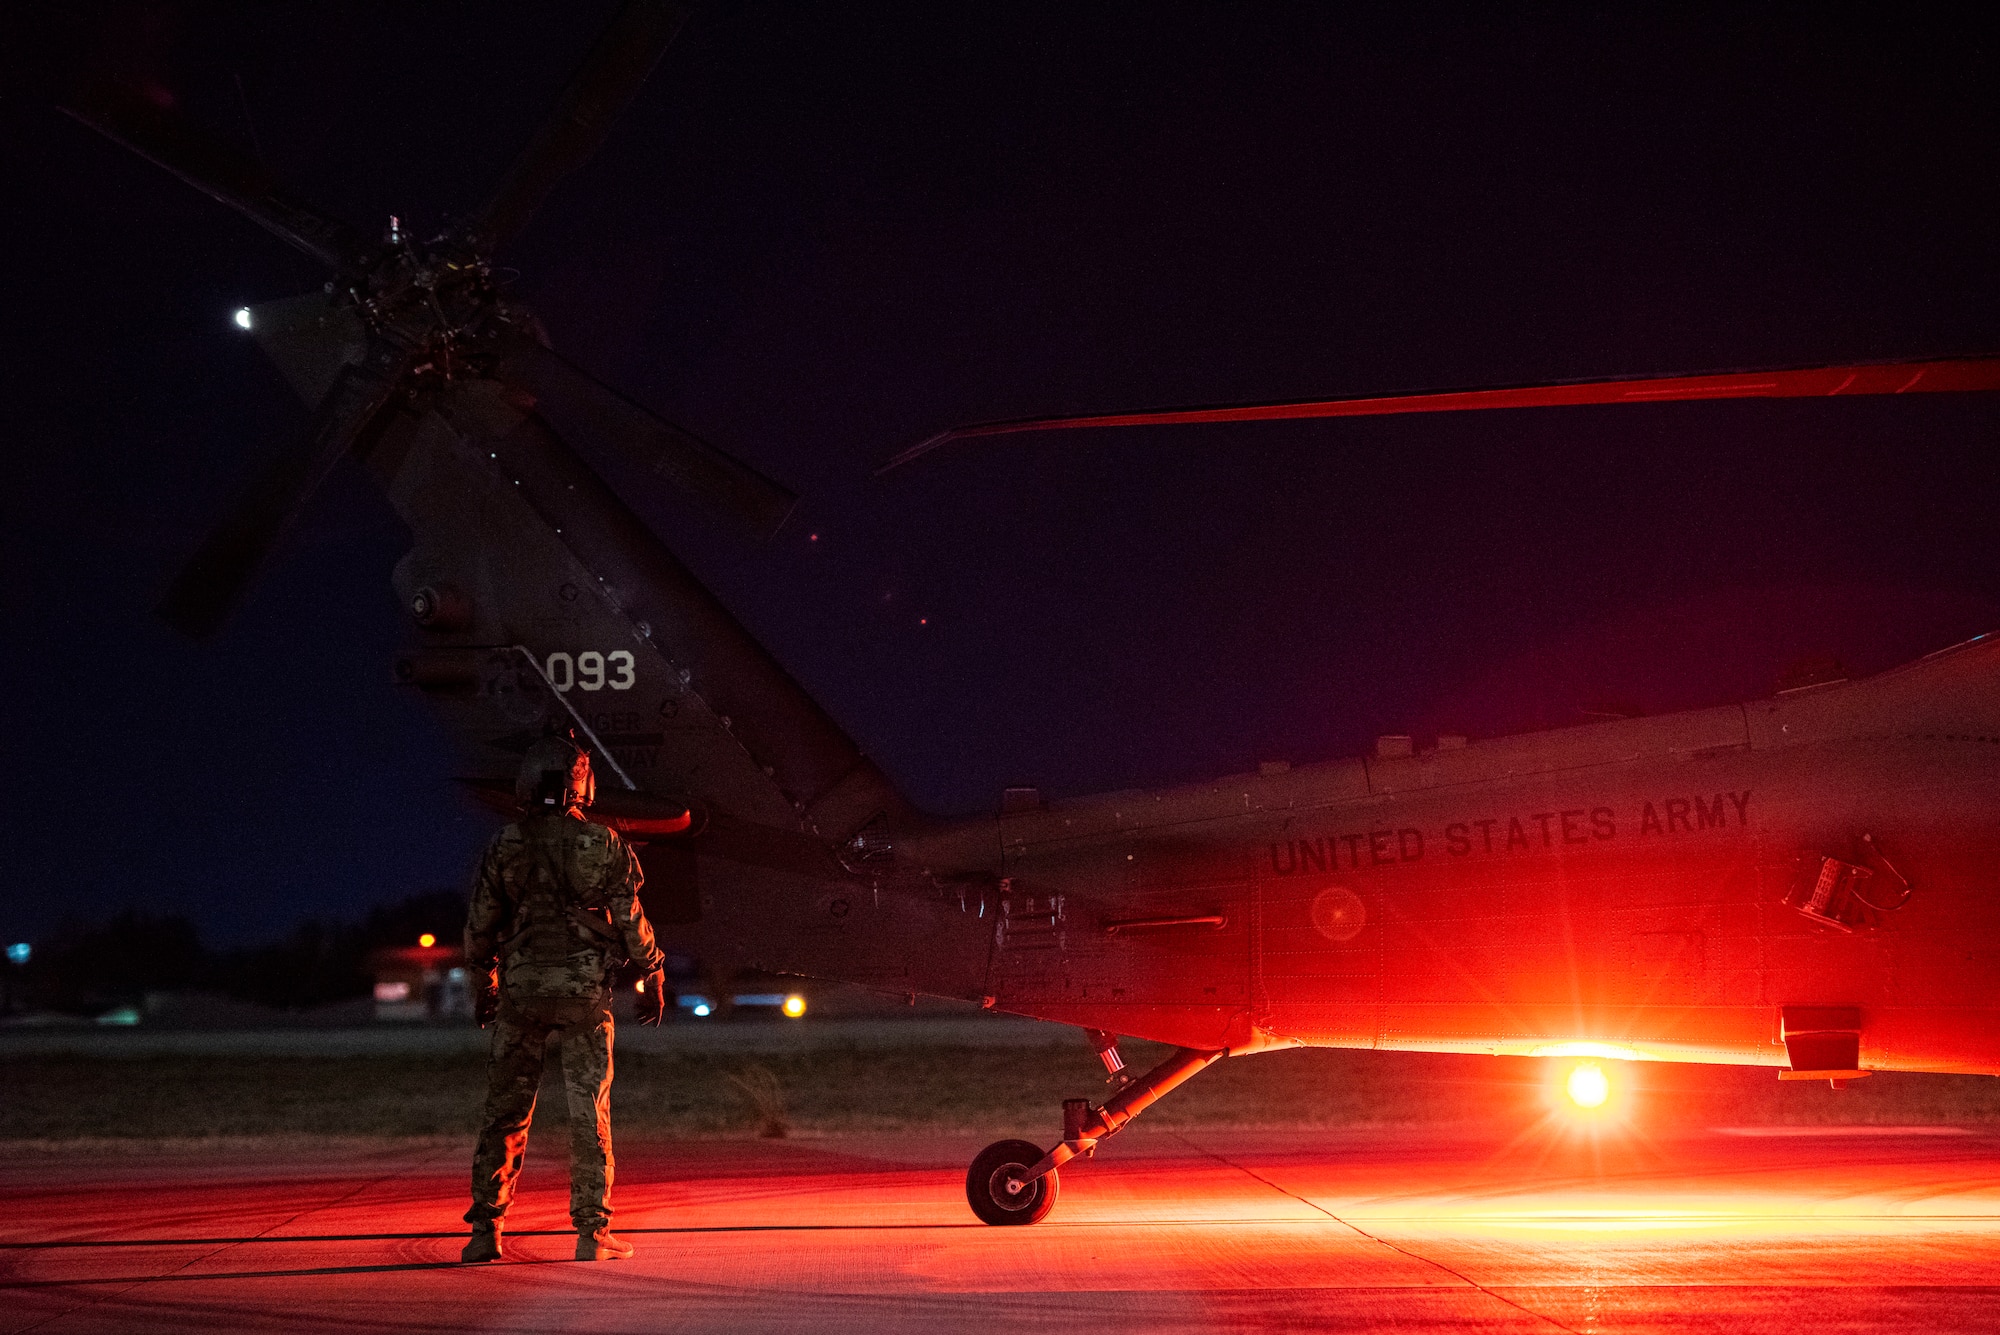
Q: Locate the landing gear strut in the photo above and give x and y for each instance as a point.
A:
(1013, 1182)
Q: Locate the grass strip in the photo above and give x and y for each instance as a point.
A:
(944, 1088)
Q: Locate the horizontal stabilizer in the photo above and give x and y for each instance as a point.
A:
(634, 815)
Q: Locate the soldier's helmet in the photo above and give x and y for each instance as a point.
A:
(555, 774)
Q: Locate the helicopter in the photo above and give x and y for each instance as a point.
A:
(1798, 882)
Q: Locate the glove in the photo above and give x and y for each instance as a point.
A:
(485, 999)
(652, 1007)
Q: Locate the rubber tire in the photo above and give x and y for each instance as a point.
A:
(1030, 1207)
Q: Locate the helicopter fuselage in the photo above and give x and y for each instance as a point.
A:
(1683, 888)
(1706, 886)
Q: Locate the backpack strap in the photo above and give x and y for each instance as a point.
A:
(550, 920)
(545, 929)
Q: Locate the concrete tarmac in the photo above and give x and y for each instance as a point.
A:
(1804, 1230)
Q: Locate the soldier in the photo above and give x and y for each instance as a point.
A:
(555, 904)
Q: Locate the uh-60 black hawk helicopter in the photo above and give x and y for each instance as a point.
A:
(1805, 882)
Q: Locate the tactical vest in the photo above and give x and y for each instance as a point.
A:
(553, 922)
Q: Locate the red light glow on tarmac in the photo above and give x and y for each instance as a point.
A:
(1811, 1229)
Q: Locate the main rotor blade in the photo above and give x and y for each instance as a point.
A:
(216, 577)
(708, 474)
(1962, 375)
(596, 95)
(169, 140)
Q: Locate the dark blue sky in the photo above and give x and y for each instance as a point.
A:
(819, 237)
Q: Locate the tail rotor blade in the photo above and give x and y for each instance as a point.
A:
(702, 471)
(220, 572)
(1958, 375)
(168, 140)
(597, 94)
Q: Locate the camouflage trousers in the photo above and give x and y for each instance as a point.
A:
(582, 1025)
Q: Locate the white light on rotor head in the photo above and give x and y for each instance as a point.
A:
(243, 317)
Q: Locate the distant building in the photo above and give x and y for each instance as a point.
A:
(422, 983)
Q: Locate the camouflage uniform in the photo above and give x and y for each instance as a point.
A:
(556, 903)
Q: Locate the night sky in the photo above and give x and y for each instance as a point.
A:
(821, 236)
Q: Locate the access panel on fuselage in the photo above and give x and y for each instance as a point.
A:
(1141, 935)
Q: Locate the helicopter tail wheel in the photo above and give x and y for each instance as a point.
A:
(999, 1188)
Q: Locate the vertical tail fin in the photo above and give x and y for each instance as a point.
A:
(548, 557)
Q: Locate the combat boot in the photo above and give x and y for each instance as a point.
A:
(597, 1244)
(485, 1242)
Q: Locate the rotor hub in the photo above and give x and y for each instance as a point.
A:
(435, 301)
